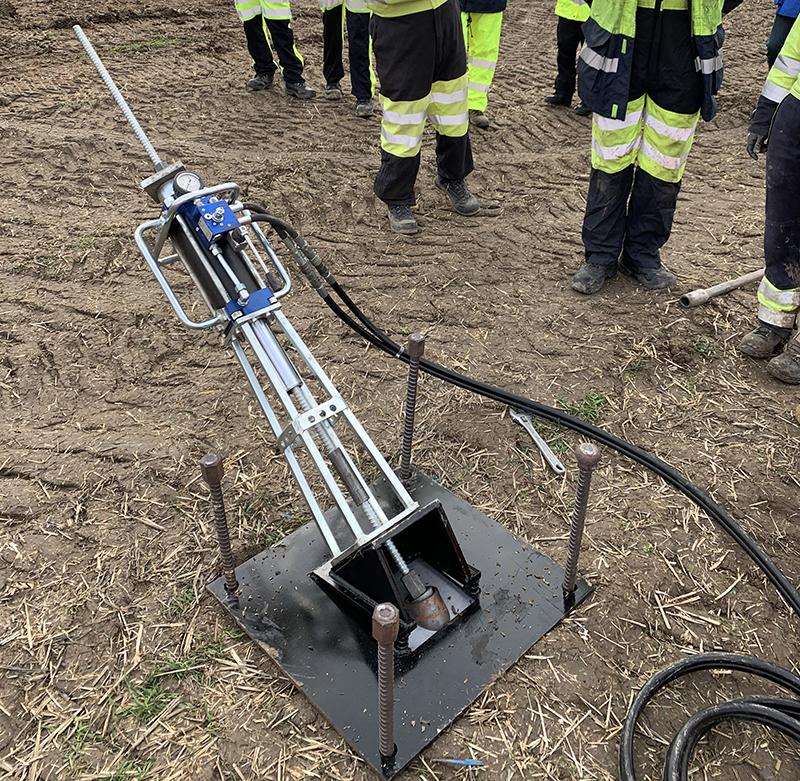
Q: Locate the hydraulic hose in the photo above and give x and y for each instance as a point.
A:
(780, 714)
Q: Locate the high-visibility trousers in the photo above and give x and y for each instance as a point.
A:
(779, 292)
(422, 67)
(267, 26)
(482, 39)
(338, 15)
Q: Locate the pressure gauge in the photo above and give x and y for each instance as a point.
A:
(187, 182)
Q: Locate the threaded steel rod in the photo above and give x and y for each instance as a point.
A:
(587, 456)
(385, 628)
(211, 468)
(415, 349)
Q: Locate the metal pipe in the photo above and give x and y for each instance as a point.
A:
(385, 628)
(117, 95)
(704, 295)
(587, 455)
(212, 471)
(415, 350)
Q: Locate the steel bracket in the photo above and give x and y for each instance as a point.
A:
(291, 436)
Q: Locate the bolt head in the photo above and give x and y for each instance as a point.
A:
(416, 345)
(385, 623)
(587, 455)
(211, 468)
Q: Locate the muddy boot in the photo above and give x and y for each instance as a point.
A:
(300, 90)
(401, 220)
(558, 99)
(463, 201)
(650, 278)
(582, 110)
(260, 81)
(479, 119)
(764, 341)
(786, 366)
(364, 108)
(332, 91)
(591, 277)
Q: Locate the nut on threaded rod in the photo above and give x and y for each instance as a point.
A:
(212, 471)
(587, 455)
(385, 628)
(415, 349)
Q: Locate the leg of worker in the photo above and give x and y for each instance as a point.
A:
(777, 37)
(615, 145)
(258, 47)
(569, 37)
(667, 140)
(448, 111)
(358, 52)
(779, 292)
(482, 55)
(404, 56)
(332, 46)
(282, 35)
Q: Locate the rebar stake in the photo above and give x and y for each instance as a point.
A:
(415, 349)
(587, 455)
(212, 471)
(385, 628)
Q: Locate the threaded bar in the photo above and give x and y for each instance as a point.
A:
(386, 699)
(408, 423)
(577, 525)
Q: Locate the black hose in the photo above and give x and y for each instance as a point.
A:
(782, 715)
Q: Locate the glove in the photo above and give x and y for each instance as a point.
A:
(756, 143)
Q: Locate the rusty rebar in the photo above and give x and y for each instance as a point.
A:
(212, 471)
(385, 628)
(587, 456)
(415, 349)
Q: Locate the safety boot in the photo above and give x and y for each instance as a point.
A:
(300, 90)
(786, 366)
(650, 278)
(479, 119)
(591, 277)
(401, 220)
(332, 91)
(260, 81)
(364, 108)
(558, 99)
(463, 201)
(765, 340)
(582, 110)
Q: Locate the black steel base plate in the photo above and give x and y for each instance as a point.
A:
(331, 656)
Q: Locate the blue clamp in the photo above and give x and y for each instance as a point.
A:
(210, 218)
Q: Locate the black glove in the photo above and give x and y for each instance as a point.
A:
(756, 143)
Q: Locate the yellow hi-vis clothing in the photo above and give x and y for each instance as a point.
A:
(576, 10)
(391, 8)
(269, 9)
(482, 39)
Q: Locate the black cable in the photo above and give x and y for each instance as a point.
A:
(782, 715)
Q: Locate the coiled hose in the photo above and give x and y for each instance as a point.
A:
(777, 713)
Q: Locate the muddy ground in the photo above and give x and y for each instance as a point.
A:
(114, 662)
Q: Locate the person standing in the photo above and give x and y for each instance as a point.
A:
(785, 14)
(777, 116)
(569, 37)
(354, 15)
(266, 21)
(422, 68)
(648, 72)
(483, 22)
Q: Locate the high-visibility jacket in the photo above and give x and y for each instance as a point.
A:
(269, 9)
(388, 8)
(604, 67)
(354, 6)
(577, 10)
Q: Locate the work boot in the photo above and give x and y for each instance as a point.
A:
(582, 110)
(764, 341)
(558, 99)
(364, 108)
(591, 277)
(479, 119)
(464, 202)
(650, 278)
(786, 366)
(260, 81)
(332, 91)
(300, 90)
(401, 220)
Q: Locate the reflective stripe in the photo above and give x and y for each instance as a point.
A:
(449, 97)
(779, 319)
(488, 64)
(675, 133)
(327, 5)
(356, 6)
(709, 66)
(665, 161)
(474, 85)
(615, 152)
(776, 299)
(404, 119)
(277, 13)
(443, 119)
(598, 62)
(774, 92)
(788, 65)
(410, 142)
(611, 125)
